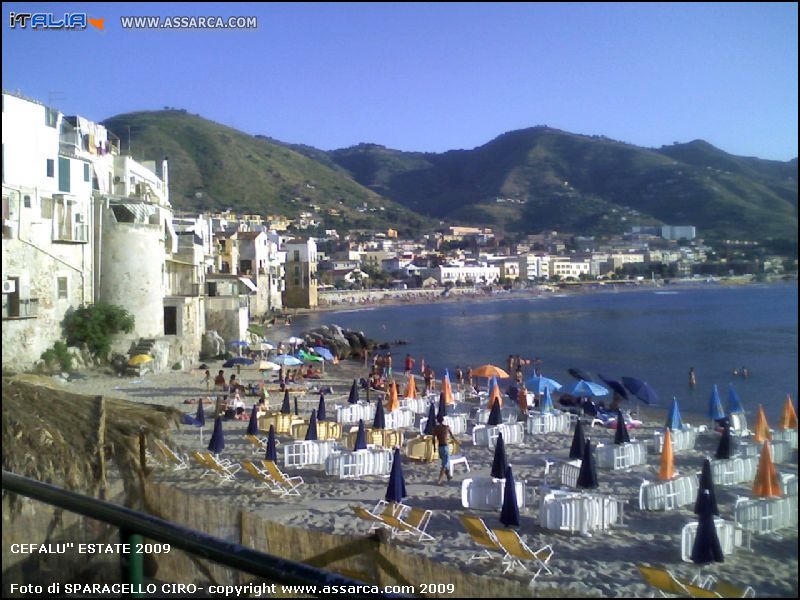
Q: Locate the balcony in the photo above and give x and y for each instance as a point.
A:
(21, 309)
(78, 233)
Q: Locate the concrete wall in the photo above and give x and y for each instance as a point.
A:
(333, 298)
(226, 317)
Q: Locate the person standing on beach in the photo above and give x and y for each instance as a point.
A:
(219, 381)
(469, 376)
(388, 365)
(441, 433)
(409, 364)
(692, 378)
(459, 377)
(207, 379)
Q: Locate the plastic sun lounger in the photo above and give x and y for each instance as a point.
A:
(730, 537)
(621, 456)
(508, 413)
(456, 423)
(399, 419)
(552, 422)
(285, 484)
(326, 430)
(486, 493)
(486, 435)
(724, 589)
(359, 463)
(734, 470)
(482, 536)
(178, 462)
(261, 480)
(765, 515)
(668, 495)
(518, 554)
(351, 413)
(578, 512)
(226, 471)
(303, 453)
(787, 435)
(682, 439)
(663, 580)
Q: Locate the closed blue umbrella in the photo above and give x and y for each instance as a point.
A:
(578, 441)
(585, 389)
(509, 514)
(706, 483)
(715, 411)
(396, 490)
(442, 412)
(431, 423)
(621, 434)
(494, 416)
(217, 442)
(538, 384)
(724, 446)
(547, 402)
(285, 408)
(499, 464)
(201, 414)
(321, 408)
(706, 548)
(587, 476)
(734, 405)
(272, 452)
(252, 426)
(674, 421)
(311, 432)
(379, 422)
(641, 389)
(353, 398)
(361, 437)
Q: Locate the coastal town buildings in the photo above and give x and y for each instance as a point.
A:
(301, 274)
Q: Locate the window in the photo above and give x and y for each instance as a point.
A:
(170, 320)
(296, 271)
(86, 176)
(51, 167)
(50, 117)
(296, 281)
(26, 201)
(61, 288)
(63, 174)
(296, 256)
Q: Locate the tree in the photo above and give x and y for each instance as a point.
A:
(94, 325)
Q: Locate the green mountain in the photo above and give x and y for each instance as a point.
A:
(542, 178)
(214, 167)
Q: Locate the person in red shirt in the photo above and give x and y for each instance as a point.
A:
(409, 364)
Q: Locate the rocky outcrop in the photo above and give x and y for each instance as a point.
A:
(344, 343)
(212, 345)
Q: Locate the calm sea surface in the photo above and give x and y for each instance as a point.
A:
(655, 335)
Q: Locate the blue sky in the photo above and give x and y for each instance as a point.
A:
(434, 77)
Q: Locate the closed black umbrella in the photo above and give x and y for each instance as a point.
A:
(396, 490)
(509, 514)
(285, 408)
(615, 385)
(431, 423)
(578, 442)
(621, 435)
(579, 374)
(442, 412)
(495, 417)
(353, 397)
(252, 426)
(311, 432)
(380, 420)
(706, 548)
(724, 447)
(272, 452)
(706, 484)
(587, 476)
(321, 408)
(217, 442)
(499, 464)
(200, 417)
(361, 437)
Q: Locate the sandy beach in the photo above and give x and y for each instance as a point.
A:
(603, 564)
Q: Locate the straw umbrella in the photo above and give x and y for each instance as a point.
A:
(766, 484)
(396, 490)
(311, 432)
(761, 433)
(587, 476)
(509, 514)
(272, 452)
(667, 468)
(578, 442)
(789, 416)
(499, 463)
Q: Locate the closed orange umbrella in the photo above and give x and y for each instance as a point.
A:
(789, 417)
(411, 387)
(447, 389)
(394, 401)
(490, 371)
(667, 470)
(761, 433)
(766, 483)
(495, 396)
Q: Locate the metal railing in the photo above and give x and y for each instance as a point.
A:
(135, 525)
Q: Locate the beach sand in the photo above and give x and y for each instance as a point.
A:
(602, 564)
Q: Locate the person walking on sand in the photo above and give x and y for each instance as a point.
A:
(441, 433)
(692, 378)
(387, 362)
(207, 379)
(459, 377)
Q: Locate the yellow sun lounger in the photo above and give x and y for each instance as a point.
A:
(482, 536)
(285, 484)
(518, 554)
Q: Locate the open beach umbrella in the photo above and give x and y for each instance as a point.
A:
(324, 352)
(724, 446)
(252, 426)
(379, 422)
(396, 490)
(766, 483)
(495, 417)
(442, 412)
(715, 412)
(706, 548)
(674, 421)
(761, 431)
(578, 441)
(495, 396)
(706, 483)
(353, 397)
(272, 452)
(266, 365)
(139, 359)
(394, 396)
(311, 432)
(217, 442)
(321, 408)
(361, 437)
(499, 463)
(547, 402)
(238, 361)
(285, 408)
(489, 371)
(734, 405)
(641, 389)
(266, 346)
(666, 469)
(621, 434)
(431, 423)
(585, 389)
(296, 411)
(789, 416)
(587, 476)
(615, 386)
(509, 514)
(579, 374)
(287, 360)
(538, 384)
(411, 387)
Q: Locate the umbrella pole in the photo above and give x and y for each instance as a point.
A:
(201, 436)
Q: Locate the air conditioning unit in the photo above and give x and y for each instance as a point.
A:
(80, 218)
(9, 286)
